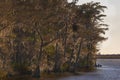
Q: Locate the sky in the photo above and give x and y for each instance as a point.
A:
(112, 45)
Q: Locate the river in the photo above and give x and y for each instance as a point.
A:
(110, 70)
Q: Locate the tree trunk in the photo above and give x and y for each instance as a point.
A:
(37, 70)
(56, 65)
(70, 61)
(78, 54)
(65, 38)
(88, 55)
(65, 46)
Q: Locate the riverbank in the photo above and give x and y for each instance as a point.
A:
(109, 71)
(44, 76)
(51, 76)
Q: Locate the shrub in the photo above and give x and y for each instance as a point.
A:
(2, 74)
(21, 68)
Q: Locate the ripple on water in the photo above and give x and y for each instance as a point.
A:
(109, 71)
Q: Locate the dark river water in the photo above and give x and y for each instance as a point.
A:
(110, 70)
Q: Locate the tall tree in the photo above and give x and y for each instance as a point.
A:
(91, 15)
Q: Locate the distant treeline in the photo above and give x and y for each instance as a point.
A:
(108, 56)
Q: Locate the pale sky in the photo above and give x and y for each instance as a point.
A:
(112, 45)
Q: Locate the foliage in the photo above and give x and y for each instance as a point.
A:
(52, 34)
(50, 50)
(21, 68)
(3, 74)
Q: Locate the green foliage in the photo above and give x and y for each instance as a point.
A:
(30, 39)
(64, 67)
(3, 74)
(69, 50)
(21, 68)
(50, 50)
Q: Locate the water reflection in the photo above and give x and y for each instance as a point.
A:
(110, 70)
